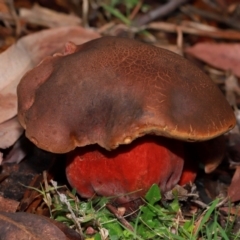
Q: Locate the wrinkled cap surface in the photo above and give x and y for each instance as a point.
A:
(112, 90)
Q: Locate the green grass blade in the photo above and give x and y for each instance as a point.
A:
(206, 216)
(115, 12)
(222, 232)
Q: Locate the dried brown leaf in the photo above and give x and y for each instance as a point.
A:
(232, 210)
(224, 56)
(48, 18)
(8, 205)
(28, 226)
(181, 192)
(194, 29)
(10, 131)
(32, 198)
(3, 7)
(17, 152)
(70, 233)
(232, 87)
(233, 190)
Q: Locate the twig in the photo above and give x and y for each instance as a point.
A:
(179, 38)
(10, 4)
(105, 27)
(64, 200)
(41, 16)
(188, 10)
(214, 33)
(7, 19)
(85, 9)
(159, 12)
(136, 10)
(225, 200)
(120, 218)
(200, 203)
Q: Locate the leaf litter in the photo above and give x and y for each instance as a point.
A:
(30, 50)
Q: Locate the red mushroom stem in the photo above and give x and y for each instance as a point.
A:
(129, 169)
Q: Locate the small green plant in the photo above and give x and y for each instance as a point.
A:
(153, 220)
(129, 5)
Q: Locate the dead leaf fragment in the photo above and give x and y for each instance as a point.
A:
(28, 226)
(3, 7)
(232, 210)
(194, 28)
(178, 190)
(48, 18)
(8, 205)
(233, 190)
(10, 131)
(8, 100)
(17, 152)
(71, 234)
(224, 56)
(232, 88)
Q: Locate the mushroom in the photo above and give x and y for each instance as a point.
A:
(137, 100)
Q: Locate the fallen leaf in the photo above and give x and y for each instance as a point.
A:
(225, 56)
(32, 199)
(48, 18)
(71, 234)
(3, 7)
(232, 210)
(233, 190)
(17, 152)
(178, 191)
(27, 226)
(198, 29)
(8, 205)
(232, 88)
(10, 131)
(8, 98)
(1, 158)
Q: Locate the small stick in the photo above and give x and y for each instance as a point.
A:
(231, 22)
(136, 10)
(214, 33)
(85, 10)
(159, 12)
(13, 12)
(120, 218)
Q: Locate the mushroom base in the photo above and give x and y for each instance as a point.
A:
(128, 171)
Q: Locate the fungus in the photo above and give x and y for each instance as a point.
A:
(110, 94)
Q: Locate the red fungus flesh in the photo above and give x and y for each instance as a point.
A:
(130, 168)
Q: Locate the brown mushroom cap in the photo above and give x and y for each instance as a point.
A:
(112, 90)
